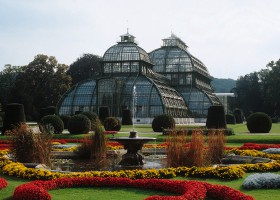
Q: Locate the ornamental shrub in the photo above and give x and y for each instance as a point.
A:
(53, 120)
(79, 124)
(126, 117)
(164, 121)
(30, 147)
(216, 117)
(112, 124)
(238, 116)
(93, 117)
(14, 116)
(103, 113)
(264, 180)
(259, 122)
(65, 119)
(230, 119)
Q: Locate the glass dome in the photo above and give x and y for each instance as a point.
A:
(126, 50)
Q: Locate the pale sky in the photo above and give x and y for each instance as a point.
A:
(231, 37)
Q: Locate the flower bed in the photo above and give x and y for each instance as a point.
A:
(254, 146)
(188, 190)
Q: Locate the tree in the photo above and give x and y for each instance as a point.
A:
(271, 87)
(249, 94)
(41, 84)
(87, 66)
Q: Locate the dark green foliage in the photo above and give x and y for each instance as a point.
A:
(1, 120)
(51, 110)
(163, 121)
(53, 120)
(126, 117)
(40, 84)
(103, 113)
(216, 118)
(259, 122)
(93, 117)
(65, 119)
(112, 124)
(79, 124)
(230, 119)
(14, 116)
(238, 116)
(87, 66)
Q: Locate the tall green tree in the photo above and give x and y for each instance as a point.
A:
(87, 66)
(271, 87)
(260, 91)
(249, 93)
(40, 84)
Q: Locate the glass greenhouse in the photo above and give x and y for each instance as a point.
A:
(125, 65)
(187, 74)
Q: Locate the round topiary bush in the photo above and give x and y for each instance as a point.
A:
(53, 120)
(93, 117)
(79, 124)
(112, 124)
(65, 119)
(259, 122)
(163, 121)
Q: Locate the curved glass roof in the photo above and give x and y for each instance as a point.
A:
(126, 50)
(187, 74)
(174, 56)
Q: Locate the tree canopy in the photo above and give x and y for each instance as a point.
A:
(40, 84)
(87, 66)
(260, 91)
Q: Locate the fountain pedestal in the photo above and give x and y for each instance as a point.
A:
(133, 144)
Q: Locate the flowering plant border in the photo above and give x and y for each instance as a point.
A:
(188, 190)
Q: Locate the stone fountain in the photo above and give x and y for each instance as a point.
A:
(133, 144)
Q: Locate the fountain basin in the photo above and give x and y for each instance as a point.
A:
(132, 145)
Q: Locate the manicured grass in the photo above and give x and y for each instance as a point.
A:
(103, 193)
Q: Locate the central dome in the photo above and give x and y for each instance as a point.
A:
(126, 50)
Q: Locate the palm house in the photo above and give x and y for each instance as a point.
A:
(187, 74)
(127, 76)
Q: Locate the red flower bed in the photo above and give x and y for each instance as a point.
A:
(110, 132)
(188, 190)
(3, 183)
(254, 146)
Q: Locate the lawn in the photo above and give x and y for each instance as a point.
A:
(241, 136)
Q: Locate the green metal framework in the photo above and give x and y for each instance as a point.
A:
(125, 65)
(187, 74)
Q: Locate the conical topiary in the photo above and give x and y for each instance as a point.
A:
(13, 117)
